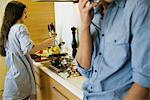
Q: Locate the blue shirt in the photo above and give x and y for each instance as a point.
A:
(19, 81)
(121, 50)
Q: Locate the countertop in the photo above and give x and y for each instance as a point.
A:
(73, 84)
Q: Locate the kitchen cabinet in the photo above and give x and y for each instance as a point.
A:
(49, 89)
(3, 71)
(38, 75)
(39, 14)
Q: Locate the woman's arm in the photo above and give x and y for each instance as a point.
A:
(48, 42)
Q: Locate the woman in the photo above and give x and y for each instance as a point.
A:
(17, 46)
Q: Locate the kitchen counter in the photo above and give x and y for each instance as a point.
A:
(74, 84)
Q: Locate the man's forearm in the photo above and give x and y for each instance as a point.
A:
(137, 92)
(84, 53)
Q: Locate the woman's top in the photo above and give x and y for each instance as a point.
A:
(19, 82)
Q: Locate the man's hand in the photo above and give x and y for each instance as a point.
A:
(85, 14)
(137, 93)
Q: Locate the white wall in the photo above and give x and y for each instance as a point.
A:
(1, 10)
(66, 16)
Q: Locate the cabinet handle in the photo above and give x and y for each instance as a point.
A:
(40, 88)
(55, 89)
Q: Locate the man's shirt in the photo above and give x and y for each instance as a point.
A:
(121, 50)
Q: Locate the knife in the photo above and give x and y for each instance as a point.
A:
(51, 27)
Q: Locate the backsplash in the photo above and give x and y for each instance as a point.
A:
(66, 16)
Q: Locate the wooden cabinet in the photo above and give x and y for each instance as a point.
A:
(62, 90)
(45, 91)
(39, 15)
(49, 89)
(3, 70)
(38, 76)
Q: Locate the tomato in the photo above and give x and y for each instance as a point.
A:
(40, 51)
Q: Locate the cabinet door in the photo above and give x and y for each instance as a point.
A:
(56, 94)
(45, 90)
(40, 14)
(50, 92)
(37, 78)
(62, 90)
(3, 70)
(39, 92)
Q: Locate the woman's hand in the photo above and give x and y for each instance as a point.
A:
(52, 35)
(85, 13)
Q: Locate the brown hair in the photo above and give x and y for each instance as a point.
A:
(13, 12)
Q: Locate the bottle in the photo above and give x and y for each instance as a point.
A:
(74, 42)
(51, 32)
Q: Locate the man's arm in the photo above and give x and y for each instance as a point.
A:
(84, 53)
(137, 92)
(140, 52)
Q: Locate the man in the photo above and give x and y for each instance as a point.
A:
(114, 50)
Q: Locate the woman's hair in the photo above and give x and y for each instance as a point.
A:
(13, 12)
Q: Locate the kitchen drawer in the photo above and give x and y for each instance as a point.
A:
(48, 91)
(56, 94)
(62, 90)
